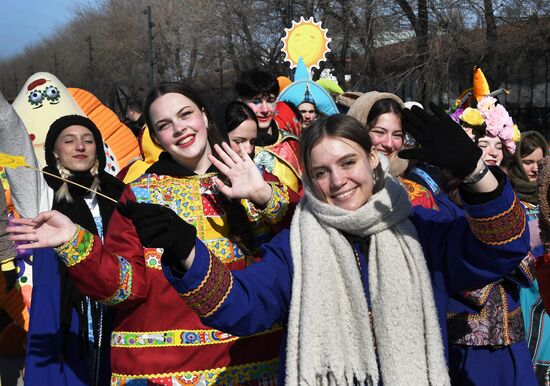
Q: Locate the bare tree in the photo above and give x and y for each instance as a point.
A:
(423, 50)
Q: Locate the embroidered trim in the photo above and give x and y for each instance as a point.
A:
(536, 328)
(213, 290)
(176, 338)
(276, 207)
(528, 267)
(258, 373)
(76, 249)
(479, 297)
(152, 258)
(125, 290)
(128, 339)
(506, 320)
(502, 228)
(495, 325)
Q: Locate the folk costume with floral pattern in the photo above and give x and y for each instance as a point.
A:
(156, 338)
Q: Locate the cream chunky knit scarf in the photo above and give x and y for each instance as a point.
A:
(330, 338)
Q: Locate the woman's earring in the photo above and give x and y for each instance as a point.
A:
(374, 177)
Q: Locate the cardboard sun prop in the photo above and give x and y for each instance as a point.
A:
(306, 39)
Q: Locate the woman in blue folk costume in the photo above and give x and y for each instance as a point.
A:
(486, 329)
(361, 280)
(524, 173)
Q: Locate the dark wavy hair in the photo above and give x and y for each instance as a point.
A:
(164, 88)
(256, 82)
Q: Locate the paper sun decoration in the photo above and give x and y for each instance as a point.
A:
(306, 39)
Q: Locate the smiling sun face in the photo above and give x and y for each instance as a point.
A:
(306, 39)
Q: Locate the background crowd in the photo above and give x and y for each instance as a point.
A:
(295, 234)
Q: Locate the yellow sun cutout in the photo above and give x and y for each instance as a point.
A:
(307, 39)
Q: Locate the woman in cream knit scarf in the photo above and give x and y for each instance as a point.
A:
(338, 346)
(367, 311)
(351, 276)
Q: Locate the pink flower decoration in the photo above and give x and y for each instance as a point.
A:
(498, 121)
(486, 103)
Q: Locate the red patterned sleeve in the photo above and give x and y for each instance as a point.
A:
(112, 272)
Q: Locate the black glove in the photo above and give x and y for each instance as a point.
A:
(10, 277)
(444, 142)
(160, 227)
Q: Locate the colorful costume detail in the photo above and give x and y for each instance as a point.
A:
(419, 195)
(258, 297)
(282, 160)
(156, 338)
(277, 214)
(485, 324)
(536, 320)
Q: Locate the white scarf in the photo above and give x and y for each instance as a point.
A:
(330, 338)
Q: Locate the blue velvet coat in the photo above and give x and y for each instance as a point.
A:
(44, 364)
(461, 252)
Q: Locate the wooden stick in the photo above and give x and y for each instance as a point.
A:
(71, 182)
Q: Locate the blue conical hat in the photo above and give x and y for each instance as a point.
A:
(303, 89)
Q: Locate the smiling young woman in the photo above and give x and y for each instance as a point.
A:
(382, 115)
(492, 150)
(356, 232)
(406, 261)
(79, 338)
(179, 196)
(180, 128)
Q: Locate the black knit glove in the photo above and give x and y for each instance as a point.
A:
(160, 227)
(10, 277)
(444, 143)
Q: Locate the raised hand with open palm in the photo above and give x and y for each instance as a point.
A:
(245, 179)
(48, 229)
